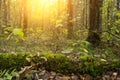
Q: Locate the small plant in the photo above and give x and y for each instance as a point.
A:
(8, 74)
(17, 34)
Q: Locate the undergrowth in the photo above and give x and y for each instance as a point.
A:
(86, 62)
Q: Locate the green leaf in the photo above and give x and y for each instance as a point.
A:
(103, 55)
(18, 32)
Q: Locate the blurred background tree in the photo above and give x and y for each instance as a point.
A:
(55, 22)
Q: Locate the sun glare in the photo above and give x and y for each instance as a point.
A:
(49, 2)
(45, 10)
(43, 2)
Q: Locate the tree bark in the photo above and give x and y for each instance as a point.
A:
(95, 29)
(0, 12)
(69, 21)
(1, 17)
(5, 13)
(8, 13)
(25, 16)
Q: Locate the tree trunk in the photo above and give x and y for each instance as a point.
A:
(25, 16)
(8, 13)
(95, 29)
(1, 17)
(5, 13)
(0, 12)
(70, 17)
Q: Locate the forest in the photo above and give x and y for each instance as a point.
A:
(59, 39)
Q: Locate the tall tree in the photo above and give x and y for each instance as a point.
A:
(0, 11)
(20, 14)
(70, 17)
(0, 16)
(25, 15)
(95, 29)
(8, 13)
(5, 13)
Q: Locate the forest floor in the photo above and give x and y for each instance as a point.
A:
(106, 55)
(51, 75)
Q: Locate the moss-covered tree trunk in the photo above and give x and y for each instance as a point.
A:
(94, 34)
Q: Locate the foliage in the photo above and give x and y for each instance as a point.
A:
(94, 64)
(60, 63)
(8, 74)
(18, 33)
(46, 44)
(13, 61)
(111, 30)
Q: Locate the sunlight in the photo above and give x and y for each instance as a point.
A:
(49, 2)
(45, 12)
(41, 5)
(46, 8)
(43, 2)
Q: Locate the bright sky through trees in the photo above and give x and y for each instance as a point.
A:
(45, 10)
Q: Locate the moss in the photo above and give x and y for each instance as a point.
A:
(13, 61)
(59, 63)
